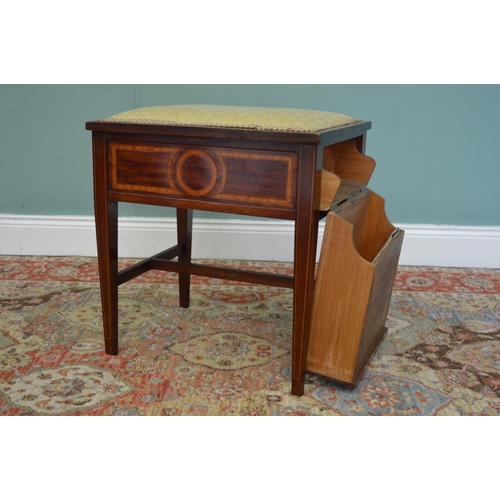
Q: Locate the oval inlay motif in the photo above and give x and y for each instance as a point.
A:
(196, 172)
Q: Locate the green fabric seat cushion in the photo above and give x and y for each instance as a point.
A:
(272, 119)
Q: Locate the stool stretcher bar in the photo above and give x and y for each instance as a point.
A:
(163, 262)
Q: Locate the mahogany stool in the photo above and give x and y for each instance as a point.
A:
(278, 163)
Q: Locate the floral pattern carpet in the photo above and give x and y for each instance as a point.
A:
(229, 353)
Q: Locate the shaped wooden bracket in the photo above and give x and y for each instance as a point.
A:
(344, 160)
(327, 185)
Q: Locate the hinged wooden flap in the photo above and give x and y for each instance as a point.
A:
(344, 200)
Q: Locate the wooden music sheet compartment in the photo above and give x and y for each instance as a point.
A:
(356, 272)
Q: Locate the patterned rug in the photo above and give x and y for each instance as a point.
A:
(229, 353)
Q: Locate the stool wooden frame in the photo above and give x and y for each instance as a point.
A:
(237, 171)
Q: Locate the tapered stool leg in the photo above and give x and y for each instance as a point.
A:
(106, 220)
(107, 251)
(184, 238)
(306, 233)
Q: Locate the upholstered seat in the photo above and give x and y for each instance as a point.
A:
(272, 119)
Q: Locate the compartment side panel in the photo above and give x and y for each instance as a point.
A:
(340, 302)
(378, 306)
(377, 228)
(356, 214)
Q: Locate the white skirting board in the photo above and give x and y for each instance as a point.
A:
(424, 245)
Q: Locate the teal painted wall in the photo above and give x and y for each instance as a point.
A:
(435, 146)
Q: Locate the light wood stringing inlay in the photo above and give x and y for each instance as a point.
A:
(222, 174)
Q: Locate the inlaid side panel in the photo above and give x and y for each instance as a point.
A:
(140, 167)
(259, 176)
(222, 174)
